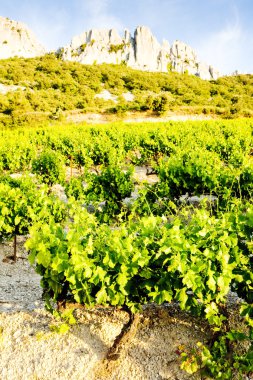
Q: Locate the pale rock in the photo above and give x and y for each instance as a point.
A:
(164, 58)
(58, 191)
(106, 95)
(128, 96)
(4, 89)
(147, 49)
(127, 36)
(183, 58)
(214, 73)
(166, 45)
(142, 52)
(97, 46)
(203, 71)
(17, 40)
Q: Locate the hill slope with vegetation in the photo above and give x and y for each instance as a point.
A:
(47, 87)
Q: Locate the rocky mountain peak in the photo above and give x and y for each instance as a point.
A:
(142, 51)
(17, 40)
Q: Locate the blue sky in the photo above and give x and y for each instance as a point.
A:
(221, 31)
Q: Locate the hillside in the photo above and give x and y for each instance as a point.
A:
(47, 87)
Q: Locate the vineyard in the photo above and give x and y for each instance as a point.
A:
(108, 238)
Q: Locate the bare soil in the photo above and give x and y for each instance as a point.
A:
(132, 117)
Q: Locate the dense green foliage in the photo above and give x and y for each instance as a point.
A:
(48, 167)
(191, 257)
(15, 204)
(22, 204)
(50, 86)
(153, 259)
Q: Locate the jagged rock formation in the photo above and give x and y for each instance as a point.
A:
(17, 40)
(142, 52)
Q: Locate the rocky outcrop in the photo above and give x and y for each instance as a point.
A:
(4, 89)
(142, 52)
(17, 40)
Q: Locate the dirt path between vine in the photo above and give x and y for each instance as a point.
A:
(100, 118)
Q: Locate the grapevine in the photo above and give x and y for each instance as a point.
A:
(158, 249)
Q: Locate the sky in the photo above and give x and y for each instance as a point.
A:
(220, 31)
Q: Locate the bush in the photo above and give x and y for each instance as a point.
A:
(76, 188)
(112, 185)
(158, 104)
(49, 167)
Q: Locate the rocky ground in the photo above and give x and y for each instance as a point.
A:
(31, 349)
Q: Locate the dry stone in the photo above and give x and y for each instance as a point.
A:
(17, 40)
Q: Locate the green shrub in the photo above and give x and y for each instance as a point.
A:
(112, 185)
(48, 165)
(83, 47)
(116, 48)
(160, 104)
(51, 83)
(75, 188)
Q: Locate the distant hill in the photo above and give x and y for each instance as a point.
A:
(37, 89)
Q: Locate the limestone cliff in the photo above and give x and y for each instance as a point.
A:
(17, 40)
(142, 51)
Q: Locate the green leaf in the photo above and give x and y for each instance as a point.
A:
(162, 296)
(61, 329)
(211, 283)
(101, 296)
(182, 297)
(17, 220)
(146, 273)
(44, 257)
(32, 256)
(203, 232)
(5, 211)
(122, 279)
(236, 335)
